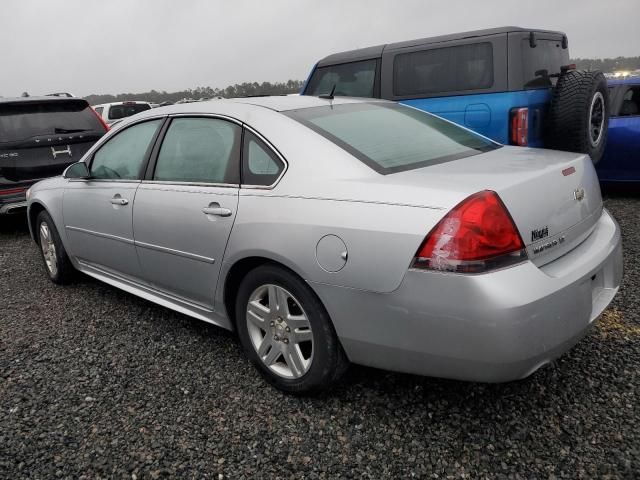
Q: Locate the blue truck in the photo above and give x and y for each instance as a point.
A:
(511, 84)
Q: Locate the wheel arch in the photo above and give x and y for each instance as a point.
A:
(238, 270)
(32, 214)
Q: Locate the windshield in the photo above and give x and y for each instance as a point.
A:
(390, 137)
(126, 110)
(23, 120)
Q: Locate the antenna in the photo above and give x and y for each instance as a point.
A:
(328, 96)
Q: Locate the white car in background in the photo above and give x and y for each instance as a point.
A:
(112, 112)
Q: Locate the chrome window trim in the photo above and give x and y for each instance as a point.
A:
(190, 184)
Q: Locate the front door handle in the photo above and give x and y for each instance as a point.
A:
(214, 208)
(118, 200)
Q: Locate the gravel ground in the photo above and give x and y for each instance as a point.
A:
(97, 383)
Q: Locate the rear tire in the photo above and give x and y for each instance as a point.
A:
(578, 119)
(54, 256)
(286, 332)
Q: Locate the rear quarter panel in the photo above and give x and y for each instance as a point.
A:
(380, 239)
(488, 114)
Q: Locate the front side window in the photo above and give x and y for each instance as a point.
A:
(350, 79)
(260, 166)
(448, 69)
(122, 156)
(390, 137)
(199, 150)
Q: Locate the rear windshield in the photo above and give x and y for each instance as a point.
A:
(350, 79)
(543, 60)
(23, 120)
(121, 111)
(391, 138)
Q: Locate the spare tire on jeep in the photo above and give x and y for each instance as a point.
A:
(578, 118)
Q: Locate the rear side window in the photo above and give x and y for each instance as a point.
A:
(630, 105)
(121, 111)
(449, 69)
(99, 110)
(199, 150)
(540, 61)
(260, 166)
(391, 137)
(123, 155)
(24, 120)
(350, 79)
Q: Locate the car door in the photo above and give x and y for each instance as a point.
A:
(98, 211)
(185, 208)
(621, 161)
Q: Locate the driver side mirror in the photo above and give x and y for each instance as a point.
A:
(77, 170)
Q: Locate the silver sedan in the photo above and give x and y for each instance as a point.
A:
(326, 230)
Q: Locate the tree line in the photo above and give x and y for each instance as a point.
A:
(608, 65)
(246, 89)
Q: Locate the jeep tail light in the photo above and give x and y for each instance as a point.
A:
(478, 235)
(104, 124)
(520, 127)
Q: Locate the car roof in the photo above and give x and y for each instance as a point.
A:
(376, 51)
(280, 103)
(121, 103)
(40, 99)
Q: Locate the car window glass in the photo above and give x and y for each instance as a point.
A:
(260, 165)
(122, 156)
(538, 62)
(391, 137)
(350, 79)
(99, 110)
(630, 103)
(465, 67)
(126, 110)
(199, 150)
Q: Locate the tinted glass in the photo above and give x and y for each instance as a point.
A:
(465, 67)
(99, 110)
(199, 150)
(21, 121)
(544, 59)
(260, 165)
(122, 111)
(122, 156)
(350, 79)
(392, 137)
(630, 103)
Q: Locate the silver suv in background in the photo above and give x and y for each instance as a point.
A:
(112, 112)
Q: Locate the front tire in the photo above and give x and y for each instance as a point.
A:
(286, 332)
(55, 258)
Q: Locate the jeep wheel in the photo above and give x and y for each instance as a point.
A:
(578, 119)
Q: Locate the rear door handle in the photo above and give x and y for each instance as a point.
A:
(118, 200)
(217, 210)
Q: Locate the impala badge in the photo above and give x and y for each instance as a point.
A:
(539, 233)
(578, 194)
(55, 152)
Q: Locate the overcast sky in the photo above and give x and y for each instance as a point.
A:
(116, 46)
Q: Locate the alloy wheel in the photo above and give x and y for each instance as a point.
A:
(280, 331)
(48, 249)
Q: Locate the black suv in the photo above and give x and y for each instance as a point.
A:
(39, 138)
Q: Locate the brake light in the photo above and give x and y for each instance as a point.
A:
(478, 235)
(520, 126)
(12, 191)
(104, 124)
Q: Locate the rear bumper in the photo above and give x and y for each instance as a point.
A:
(494, 327)
(13, 207)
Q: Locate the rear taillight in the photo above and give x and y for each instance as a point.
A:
(478, 235)
(12, 191)
(104, 124)
(519, 127)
